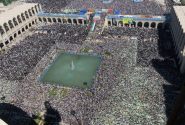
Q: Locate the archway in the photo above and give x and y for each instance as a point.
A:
(146, 24)
(1, 45)
(40, 19)
(109, 23)
(74, 21)
(1, 30)
(15, 21)
(11, 38)
(15, 35)
(6, 42)
(26, 27)
(29, 11)
(49, 20)
(133, 24)
(54, 20)
(44, 19)
(29, 24)
(140, 24)
(85, 21)
(33, 22)
(36, 9)
(120, 23)
(33, 11)
(10, 24)
(59, 20)
(19, 32)
(6, 27)
(23, 30)
(64, 20)
(159, 26)
(153, 25)
(26, 14)
(22, 16)
(69, 21)
(80, 21)
(19, 19)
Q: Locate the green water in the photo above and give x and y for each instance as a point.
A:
(72, 70)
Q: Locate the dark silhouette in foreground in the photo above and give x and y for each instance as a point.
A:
(13, 115)
(52, 116)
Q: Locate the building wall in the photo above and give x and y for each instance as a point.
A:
(20, 23)
(179, 39)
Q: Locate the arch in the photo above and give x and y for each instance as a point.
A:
(26, 27)
(120, 23)
(159, 26)
(29, 11)
(44, 19)
(74, 21)
(54, 20)
(10, 24)
(64, 20)
(6, 42)
(29, 24)
(146, 24)
(19, 19)
(11, 38)
(33, 22)
(23, 29)
(126, 25)
(39, 7)
(133, 24)
(153, 25)
(6, 27)
(69, 21)
(85, 22)
(80, 21)
(26, 14)
(59, 20)
(36, 9)
(1, 45)
(109, 23)
(1, 30)
(114, 22)
(49, 20)
(15, 35)
(19, 32)
(15, 21)
(140, 24)
(40, 19)
(33, 11)
(22, 16)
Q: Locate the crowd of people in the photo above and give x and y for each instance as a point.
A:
(22, 58)
(147, 7)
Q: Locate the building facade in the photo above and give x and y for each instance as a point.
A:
(17, 20)
(177, 26)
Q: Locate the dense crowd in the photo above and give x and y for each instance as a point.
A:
(22, 58)
(116, 80)
(147, 7)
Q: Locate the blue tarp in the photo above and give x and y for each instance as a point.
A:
(137, 1)
(117, 12)
(83, 11)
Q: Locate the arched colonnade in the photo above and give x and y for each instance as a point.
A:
(17, 25)
(63, 20)
(142, 24)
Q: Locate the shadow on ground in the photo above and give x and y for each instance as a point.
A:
(14, 115)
